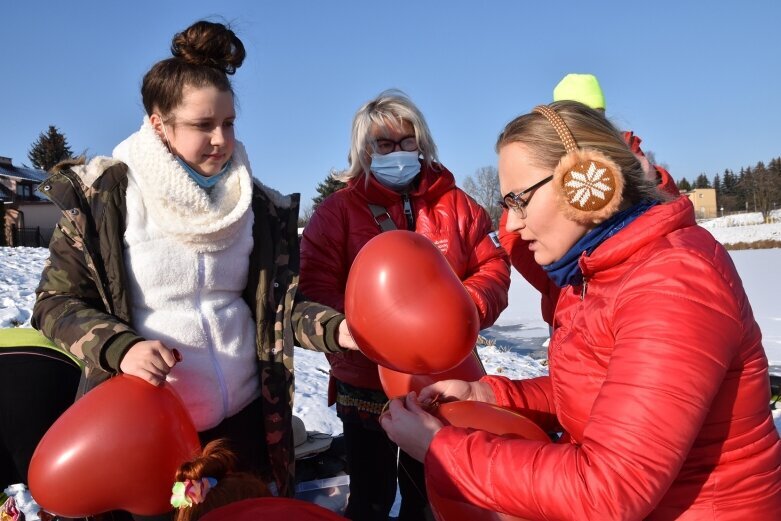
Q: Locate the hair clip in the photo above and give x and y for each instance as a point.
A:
(191, 491)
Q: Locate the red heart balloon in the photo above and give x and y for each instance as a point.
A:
(486, 417)
(406, 308)
(117, 448)
(271, 509)
(397, 384)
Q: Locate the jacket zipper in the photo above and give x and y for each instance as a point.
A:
(408, 211)
(583, 289)
(209, 337)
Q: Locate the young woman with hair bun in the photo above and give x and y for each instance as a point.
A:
(173, 264)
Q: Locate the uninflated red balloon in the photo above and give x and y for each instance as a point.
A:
(271, 509)
(397, 384)
(486, 417)
(490, 418)
(117, 448)
(406, 308)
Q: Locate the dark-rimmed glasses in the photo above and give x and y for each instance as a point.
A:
(385, 146)
(516, 201)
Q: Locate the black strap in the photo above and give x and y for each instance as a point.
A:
(382, 218)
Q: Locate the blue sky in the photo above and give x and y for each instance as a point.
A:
(697, 81)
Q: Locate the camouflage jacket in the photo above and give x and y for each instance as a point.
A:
(84, 307)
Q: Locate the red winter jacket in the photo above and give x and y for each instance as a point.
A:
(445, 214)
(523, 260)
(657, 372)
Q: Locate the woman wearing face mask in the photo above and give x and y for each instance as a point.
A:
(173, 264)
(394, 181)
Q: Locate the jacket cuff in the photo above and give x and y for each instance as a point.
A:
(115, 350)
(499, 386)
(331, 333)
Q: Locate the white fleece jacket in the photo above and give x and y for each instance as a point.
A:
(187, 255)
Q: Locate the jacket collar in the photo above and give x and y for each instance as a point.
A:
(203, 220)
(429, 185)
(657, 222)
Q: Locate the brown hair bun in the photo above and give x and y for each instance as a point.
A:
(211, 44)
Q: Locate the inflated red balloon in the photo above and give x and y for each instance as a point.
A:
(271, 509)
(117, 448)
(406, 308)
(397, 384)
(486, 417)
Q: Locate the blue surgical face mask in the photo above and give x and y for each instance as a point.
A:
(397, 169)
(202, 180)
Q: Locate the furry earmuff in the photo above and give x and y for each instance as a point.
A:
(588, 183)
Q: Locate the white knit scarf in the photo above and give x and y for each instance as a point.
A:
(205, 221)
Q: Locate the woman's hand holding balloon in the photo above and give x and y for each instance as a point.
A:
(345, 339)
(149, 360)
(409, 426)
(455, 390)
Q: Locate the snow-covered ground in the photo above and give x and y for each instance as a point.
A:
(744, 227)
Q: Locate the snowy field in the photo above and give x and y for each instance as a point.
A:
(745, 227)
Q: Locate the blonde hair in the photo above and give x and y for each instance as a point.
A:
(388, 108)
(591, 130)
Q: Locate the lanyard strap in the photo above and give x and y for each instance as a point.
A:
(382, 217)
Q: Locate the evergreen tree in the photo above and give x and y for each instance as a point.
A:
(774, 167)
(743, 189)
(50, 148)
(702, 181)
(328, 186)
(729, 182)
(717, 184)
(684, 185)
(726, 191)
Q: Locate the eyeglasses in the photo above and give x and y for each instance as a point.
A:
(385, 146)
(516, 202)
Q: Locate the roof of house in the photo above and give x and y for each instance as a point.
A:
(20, 173)
(7, 169)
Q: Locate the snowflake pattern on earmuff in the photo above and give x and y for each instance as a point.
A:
(589, 184)
(589, 188)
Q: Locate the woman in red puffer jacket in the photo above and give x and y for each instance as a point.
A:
(585, 89)
(395, 181)
(657, 370)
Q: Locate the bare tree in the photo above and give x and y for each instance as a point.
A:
(762, 187)
(484, 188)
(305, 214)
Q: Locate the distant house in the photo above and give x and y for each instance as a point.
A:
(704, 201)
(28, 218)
